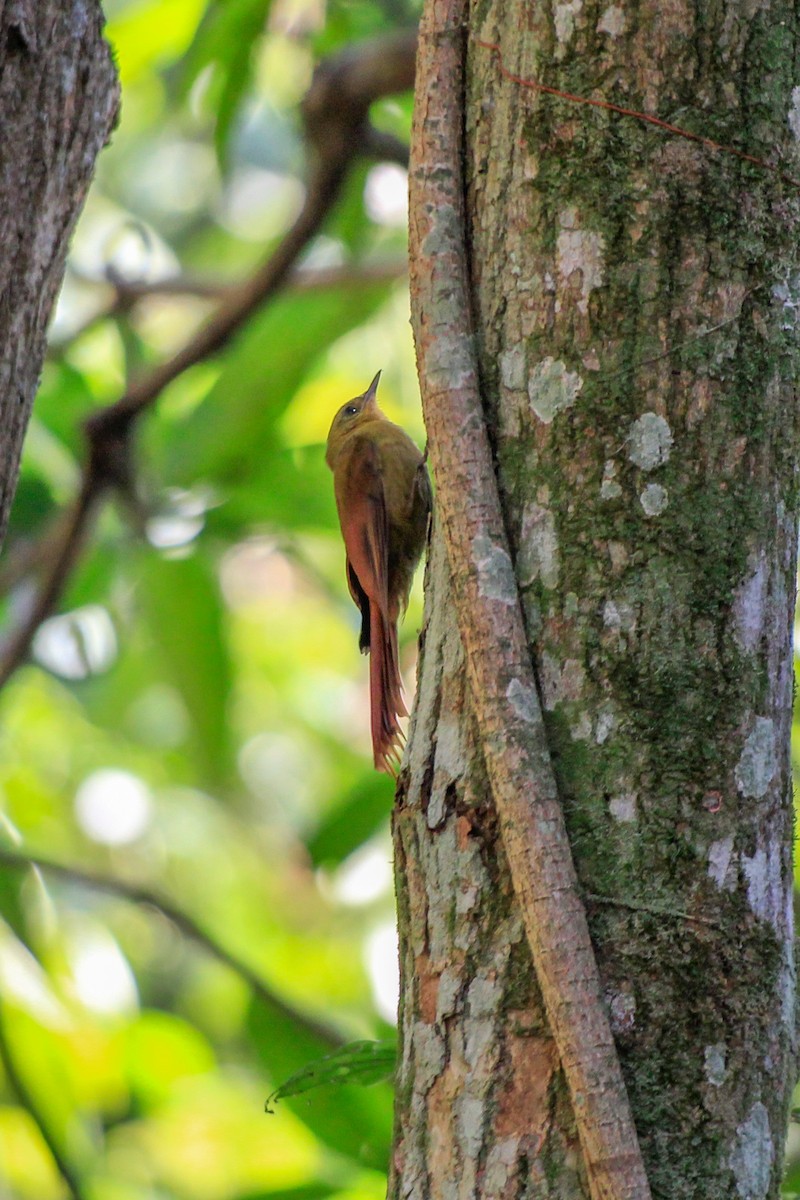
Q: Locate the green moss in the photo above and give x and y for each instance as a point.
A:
(520, 986)
(571, 757)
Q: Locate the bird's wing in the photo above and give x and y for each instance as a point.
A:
(364, 520)
(361, 500)
(361, 600)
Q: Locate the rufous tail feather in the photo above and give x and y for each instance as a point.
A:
(385, 692)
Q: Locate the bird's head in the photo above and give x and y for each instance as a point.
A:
(350, 416)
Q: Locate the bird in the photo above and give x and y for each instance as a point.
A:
(384, 500)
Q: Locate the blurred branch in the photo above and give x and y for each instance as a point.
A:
(127, 293)
(108, 467)
(61, 553)
(335, 113)
(135, 894)
(26, 1099)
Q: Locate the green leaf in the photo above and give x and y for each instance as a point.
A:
(357, 1125)
(33, 504)
(225, 37)
(349, 21)
(12, 909)
(349, 222)
(358, 1062)
(352, 822)
(42, 1060)
(184, 611)
(94, 577)
(791, 1180)
(291, 490)
(63, 400)
(160, 1050)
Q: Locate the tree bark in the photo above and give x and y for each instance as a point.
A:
(634, 293)
(58, 99)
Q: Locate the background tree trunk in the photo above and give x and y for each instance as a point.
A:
(58, 99)
(635, 295)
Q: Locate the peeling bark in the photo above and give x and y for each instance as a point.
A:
(58, 100)
(635, 298)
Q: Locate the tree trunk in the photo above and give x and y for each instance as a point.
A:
(634, 293)
(58, 100)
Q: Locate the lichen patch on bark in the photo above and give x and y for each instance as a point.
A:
(552, 388)
(512, 367)
(764, 885)
(524, 701)
(794, 113)
(538, 557)
(758, 762)
(623, 808)
(610, 489)
(749, 605)
(714, 1061)
(564, 19)
(612, 21)
(751, 1158)
(720, 854)
(495, 573)
(649, 441)
(654, 499)
(580, 261)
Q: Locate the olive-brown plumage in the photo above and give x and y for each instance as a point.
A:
(383, 496)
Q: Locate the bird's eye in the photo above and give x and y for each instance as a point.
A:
(351, 411)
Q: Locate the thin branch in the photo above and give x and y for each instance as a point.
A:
(127, 293)
(31, 1105)
(74, 531)
(144, 896)
(22, 558)
(302, 279)
(489, 615)
(336, 116)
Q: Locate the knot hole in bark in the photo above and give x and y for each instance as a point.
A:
(16, 41)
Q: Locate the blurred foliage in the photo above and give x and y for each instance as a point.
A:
(194, 719)
(363, 1062)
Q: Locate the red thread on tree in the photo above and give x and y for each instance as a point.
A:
(631, 112)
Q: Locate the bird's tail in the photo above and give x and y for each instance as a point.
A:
(385, 692)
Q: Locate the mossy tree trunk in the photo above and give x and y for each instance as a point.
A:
(635, 296)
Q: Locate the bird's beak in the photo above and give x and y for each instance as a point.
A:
(372, 391)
